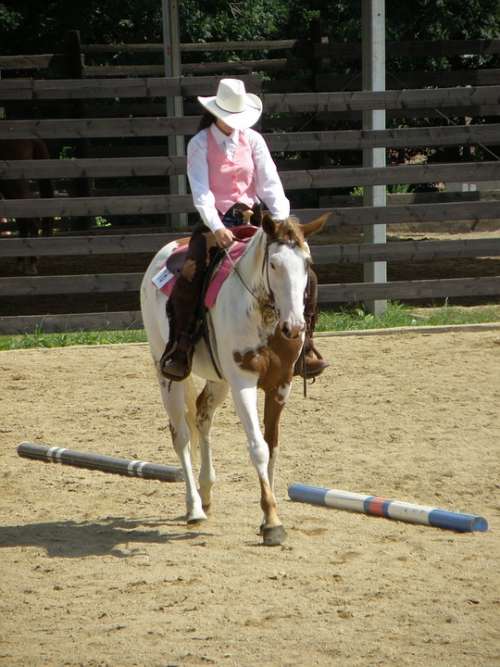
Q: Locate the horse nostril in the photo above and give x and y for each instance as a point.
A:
(291, 332)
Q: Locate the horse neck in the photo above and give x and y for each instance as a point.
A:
(245, 296)
(250, 267)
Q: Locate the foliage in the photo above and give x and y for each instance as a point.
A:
(443, 19)
(219, 20)
(38, 26)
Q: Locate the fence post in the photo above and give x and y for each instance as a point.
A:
(319, 158)
(373, 36)
(73, 67)
(172, 59)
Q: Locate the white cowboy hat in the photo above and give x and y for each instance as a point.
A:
(233, 104)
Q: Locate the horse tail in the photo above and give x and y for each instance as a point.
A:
(190, 396)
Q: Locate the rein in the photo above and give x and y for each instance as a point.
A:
(235, 269)
(265, 263)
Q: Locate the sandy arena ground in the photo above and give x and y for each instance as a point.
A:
(98, 570)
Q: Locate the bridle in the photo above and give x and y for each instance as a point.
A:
(270, 302)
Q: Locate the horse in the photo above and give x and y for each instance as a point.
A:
(20, 188)
(257, 327)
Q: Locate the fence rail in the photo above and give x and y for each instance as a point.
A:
(73, 89)
(240, 66)
(322, 254)
(420, 49)
(157, 204)
(261, 45)
(90, 108)
(21, 324)
(106, 283)
(70, 89)
(395, 80)
(346, 50)
(295, 141)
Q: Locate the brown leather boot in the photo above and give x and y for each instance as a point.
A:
(175, 363)
(310, 364)
(184, 304)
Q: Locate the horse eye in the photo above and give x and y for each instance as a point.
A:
(273, 267)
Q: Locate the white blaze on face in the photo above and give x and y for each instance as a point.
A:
(288, 279)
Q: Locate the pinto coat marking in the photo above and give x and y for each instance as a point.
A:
(257, 346)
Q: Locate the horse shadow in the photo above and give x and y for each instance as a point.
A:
(72, 539)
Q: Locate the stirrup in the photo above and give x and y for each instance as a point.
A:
(315, 366)
(313, 348)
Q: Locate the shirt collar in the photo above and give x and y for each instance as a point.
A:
(222, 138)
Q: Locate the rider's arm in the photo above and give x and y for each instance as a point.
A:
(268, 183)
(197, 171)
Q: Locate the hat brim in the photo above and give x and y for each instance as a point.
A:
(240, 120)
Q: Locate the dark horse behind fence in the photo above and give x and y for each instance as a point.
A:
(26, 149)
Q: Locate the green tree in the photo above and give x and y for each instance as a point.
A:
(31, 26)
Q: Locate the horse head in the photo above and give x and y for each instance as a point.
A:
(286, 267)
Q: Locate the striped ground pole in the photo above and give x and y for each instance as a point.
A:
(91, 461)
(390, 509)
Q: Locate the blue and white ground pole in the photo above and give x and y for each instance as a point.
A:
(390, 509)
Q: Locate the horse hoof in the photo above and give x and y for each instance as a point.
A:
(273, 536)
(195, 520)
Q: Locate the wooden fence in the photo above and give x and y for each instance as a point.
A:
(302, 174)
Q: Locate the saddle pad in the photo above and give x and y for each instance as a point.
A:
(165, 279)
(224, 270)
(242, 234)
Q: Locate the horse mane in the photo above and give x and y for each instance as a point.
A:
(288, 231)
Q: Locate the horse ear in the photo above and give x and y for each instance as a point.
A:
(315, 225)
(268, 225)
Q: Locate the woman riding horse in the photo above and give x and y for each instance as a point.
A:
(230, 171)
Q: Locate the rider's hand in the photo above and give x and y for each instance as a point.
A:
(224, 237)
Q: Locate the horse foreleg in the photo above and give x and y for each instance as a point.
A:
(245, 400)
(273, 407)
(275, 400)
(206, 404)
(174, 402)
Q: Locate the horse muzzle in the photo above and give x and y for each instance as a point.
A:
(292, 331)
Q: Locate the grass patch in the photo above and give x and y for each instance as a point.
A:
(41, 339)
(398, 315)
(351, 319)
